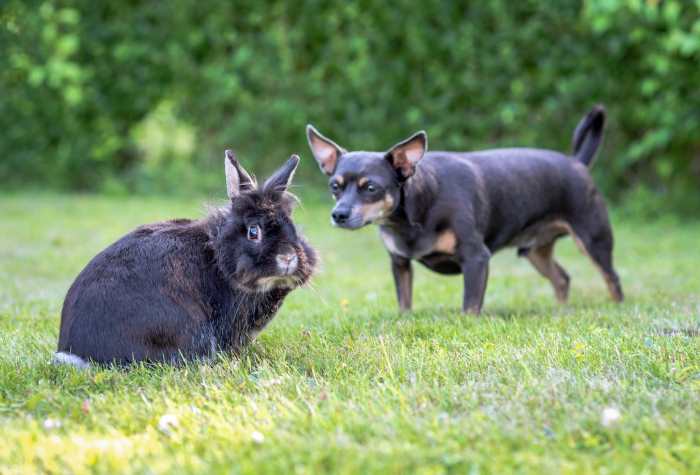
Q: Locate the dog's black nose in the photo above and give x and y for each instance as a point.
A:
(340, 216)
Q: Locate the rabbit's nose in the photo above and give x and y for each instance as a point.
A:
(287, 263)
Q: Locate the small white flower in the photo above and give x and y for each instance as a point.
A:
(610, 416)
(167, 424)
(270, 382)
(257, 437)
(51, 424)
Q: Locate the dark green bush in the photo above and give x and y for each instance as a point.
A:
(79, 79)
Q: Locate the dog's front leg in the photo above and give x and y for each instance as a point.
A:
(403, 280)
(475, 269)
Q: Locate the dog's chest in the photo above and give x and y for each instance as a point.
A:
(414, 244)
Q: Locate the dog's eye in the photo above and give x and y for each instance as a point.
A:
(254, 233)
(370, 187)
(335, 187)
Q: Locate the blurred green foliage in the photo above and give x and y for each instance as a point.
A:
(87, 85)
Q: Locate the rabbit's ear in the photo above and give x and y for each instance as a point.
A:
(237, 178)
(282, 178)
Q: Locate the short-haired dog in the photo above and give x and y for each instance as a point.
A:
(451, 211)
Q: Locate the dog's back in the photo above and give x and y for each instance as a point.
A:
(510, 188)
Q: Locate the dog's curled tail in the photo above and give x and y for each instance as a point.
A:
(588, 135)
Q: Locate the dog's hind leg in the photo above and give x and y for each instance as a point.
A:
(599, 249)
(542, 259)
(595, 238)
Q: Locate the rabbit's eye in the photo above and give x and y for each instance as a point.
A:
(254, 233)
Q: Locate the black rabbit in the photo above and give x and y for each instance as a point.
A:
(185, 289)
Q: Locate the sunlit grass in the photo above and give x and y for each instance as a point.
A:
(341, 382)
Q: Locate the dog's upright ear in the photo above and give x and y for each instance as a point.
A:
(405, 155)
(326, 152)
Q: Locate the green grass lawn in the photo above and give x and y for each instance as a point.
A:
(340, 382)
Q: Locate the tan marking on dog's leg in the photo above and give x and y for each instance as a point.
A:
(613, 288)
(612, 285)
(446, 242)
(542, 259)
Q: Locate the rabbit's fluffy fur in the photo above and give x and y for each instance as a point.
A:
(183, 289)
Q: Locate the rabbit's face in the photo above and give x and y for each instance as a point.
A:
(260, 248)
(271, 254)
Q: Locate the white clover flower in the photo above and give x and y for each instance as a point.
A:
(51, 424)
(167, 424)
(610, 416)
